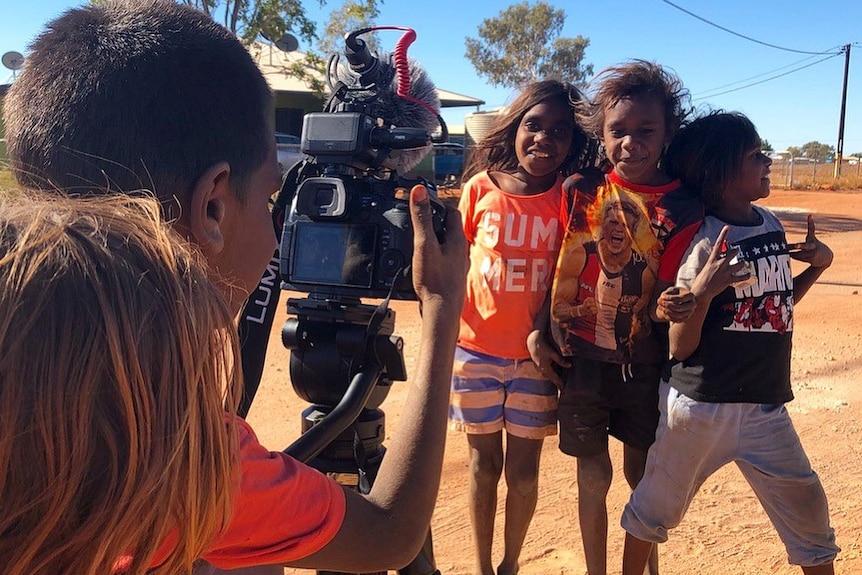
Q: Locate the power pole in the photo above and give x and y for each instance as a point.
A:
(839, 150)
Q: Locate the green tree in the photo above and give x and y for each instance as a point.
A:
(249, 19)
(766, 146)
(271, 19)
(522, 44)
(817, 151)
(352, 15)
(794, 151)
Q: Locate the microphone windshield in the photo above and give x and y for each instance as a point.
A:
(399, 111)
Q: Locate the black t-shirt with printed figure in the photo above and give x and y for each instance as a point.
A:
(609, 264)
(745, 345)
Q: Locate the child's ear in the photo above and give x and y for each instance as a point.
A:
(207, 207)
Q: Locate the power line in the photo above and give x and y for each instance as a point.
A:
(693, 15)
(762, 74)
(708, 95)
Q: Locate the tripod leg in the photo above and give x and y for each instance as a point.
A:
(424, 563)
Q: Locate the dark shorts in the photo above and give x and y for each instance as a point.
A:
(601, 399)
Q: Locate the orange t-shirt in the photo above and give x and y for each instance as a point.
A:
(283, 511)
(514, 242)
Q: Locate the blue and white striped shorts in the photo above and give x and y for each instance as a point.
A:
(491, 393)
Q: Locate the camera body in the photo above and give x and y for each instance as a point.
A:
(347, 232)
(351, 237)
(357, 139)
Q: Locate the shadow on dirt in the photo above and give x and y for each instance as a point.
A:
(796, 221)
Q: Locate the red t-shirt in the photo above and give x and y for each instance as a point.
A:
(632, 235)
(284, 511)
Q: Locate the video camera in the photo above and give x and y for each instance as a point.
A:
(348, 231)
(346, 234)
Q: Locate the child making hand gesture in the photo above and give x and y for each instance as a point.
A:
(716, 410)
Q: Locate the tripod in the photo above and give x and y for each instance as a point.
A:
(344, 357)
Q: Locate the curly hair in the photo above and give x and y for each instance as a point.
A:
(637, 79)
(117, 357)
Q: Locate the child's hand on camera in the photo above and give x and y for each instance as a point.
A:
(439, 269)
(721, 271)
(812, 250)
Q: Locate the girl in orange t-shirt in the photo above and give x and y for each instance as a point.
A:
(513, 211)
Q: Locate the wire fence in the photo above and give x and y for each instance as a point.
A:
(807, 173)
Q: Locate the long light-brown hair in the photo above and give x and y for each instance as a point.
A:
(117, 357)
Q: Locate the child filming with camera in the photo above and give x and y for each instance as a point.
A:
(723, 396)
(118, 451)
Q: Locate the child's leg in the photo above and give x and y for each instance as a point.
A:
(636, 554)
(522, 482)
(477, 400)
(774, 463)
(693, 440)
(594, 481)
(635, 396)
(530, 415)
(584, 420)
(827, 569)
(486, 465)
(634, 463)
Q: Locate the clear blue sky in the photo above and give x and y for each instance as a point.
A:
(791, 110)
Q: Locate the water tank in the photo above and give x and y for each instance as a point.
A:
(476, 125)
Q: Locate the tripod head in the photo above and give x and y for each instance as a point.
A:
(343, 359)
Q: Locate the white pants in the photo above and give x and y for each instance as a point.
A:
(694, 439)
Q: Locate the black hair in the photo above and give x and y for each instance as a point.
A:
(638, 79)
(707, 154)
(126, 95)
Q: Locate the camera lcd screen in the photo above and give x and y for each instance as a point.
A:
(331, 253)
